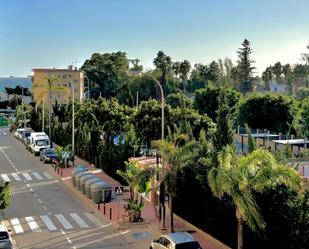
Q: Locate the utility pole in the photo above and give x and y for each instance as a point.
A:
(43, 112)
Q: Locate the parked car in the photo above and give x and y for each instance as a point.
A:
(18, 132)
(5, 238)
(180, 240)
(48, 155)
(25, 134)
(27, 143)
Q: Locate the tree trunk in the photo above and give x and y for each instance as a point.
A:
(240, 229)
(171, 214)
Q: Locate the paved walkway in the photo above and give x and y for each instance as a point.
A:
(115, 211)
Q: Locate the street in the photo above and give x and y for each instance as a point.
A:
(43, 212)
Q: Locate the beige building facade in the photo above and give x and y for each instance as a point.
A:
(61, 87)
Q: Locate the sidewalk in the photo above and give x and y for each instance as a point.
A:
(114, 212)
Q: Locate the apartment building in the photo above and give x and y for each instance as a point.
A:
(62, 80)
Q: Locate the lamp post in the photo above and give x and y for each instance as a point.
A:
(73, 117)
(162, 191)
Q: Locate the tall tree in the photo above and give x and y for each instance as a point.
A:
(49, 87)
(184, 70)
(267, 76)
(177, 152)
(164, 64)
(245, 67)
(277, 70)
(240, 177)
(108, 71)
(224, 133)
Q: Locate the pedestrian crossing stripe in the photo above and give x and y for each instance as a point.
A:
(66, 224)
(3, 133)
(27, 176)
(37, 224)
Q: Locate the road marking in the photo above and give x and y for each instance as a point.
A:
(45, 207)
(47, 221)
(48, 175)
(93, 219)
(16, 177)
(32, 224)
(40, 201)
(27, 176)
(79, 220)
(68, 239)
(17, 226)
(31, 189)
(66, 224)
(63, 232)
(37, 175)
(5, 177)
(4, 133)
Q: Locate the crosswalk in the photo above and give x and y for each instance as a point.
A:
(51, 223)
(27, 176)
(3, 133)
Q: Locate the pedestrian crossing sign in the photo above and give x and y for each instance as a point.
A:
(119, 190)
(65, 154)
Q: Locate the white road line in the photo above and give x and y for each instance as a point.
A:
(31, 189)
(66, 224)
(37, 175)
(45, 207)
(27, 176)
(4, 133)
(68, 239)
(17, 226)
(47, 221)
(63, 232)
(79, 220)
(48, 175)
(32, 224)
(5, 177)
(40, 201)
(93, 219)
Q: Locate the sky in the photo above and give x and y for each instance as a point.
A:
(56, 33)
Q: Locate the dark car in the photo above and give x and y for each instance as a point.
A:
(48, 155)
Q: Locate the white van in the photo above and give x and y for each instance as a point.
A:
(39, 141)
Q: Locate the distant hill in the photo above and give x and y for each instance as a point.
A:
(15, 81)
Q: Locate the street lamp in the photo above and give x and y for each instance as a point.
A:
(162, 138)
(73, 117)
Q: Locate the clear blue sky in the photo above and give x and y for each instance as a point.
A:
(55, 33)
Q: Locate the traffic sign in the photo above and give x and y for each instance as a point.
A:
(119, 190)
(66, 154)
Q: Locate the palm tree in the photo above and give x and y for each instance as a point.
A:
(185, 68)
(240, 177)
(139, 183)
(177, 153)
(48, 89)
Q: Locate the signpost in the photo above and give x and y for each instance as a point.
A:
(66, 156)
(118, 192)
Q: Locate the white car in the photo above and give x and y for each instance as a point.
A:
(17, 133)
(5, 238)
(180, 240)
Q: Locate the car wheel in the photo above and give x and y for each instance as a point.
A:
(44, 161)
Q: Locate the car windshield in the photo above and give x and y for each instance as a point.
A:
(188, 245)
(41, 142)
(49, 152)
(27, 134)
(4, 235)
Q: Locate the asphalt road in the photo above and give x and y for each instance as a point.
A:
(44, 213)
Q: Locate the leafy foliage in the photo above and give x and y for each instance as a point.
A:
(275, 113)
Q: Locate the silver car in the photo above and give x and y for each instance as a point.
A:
(180, 240)
(5, 238)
